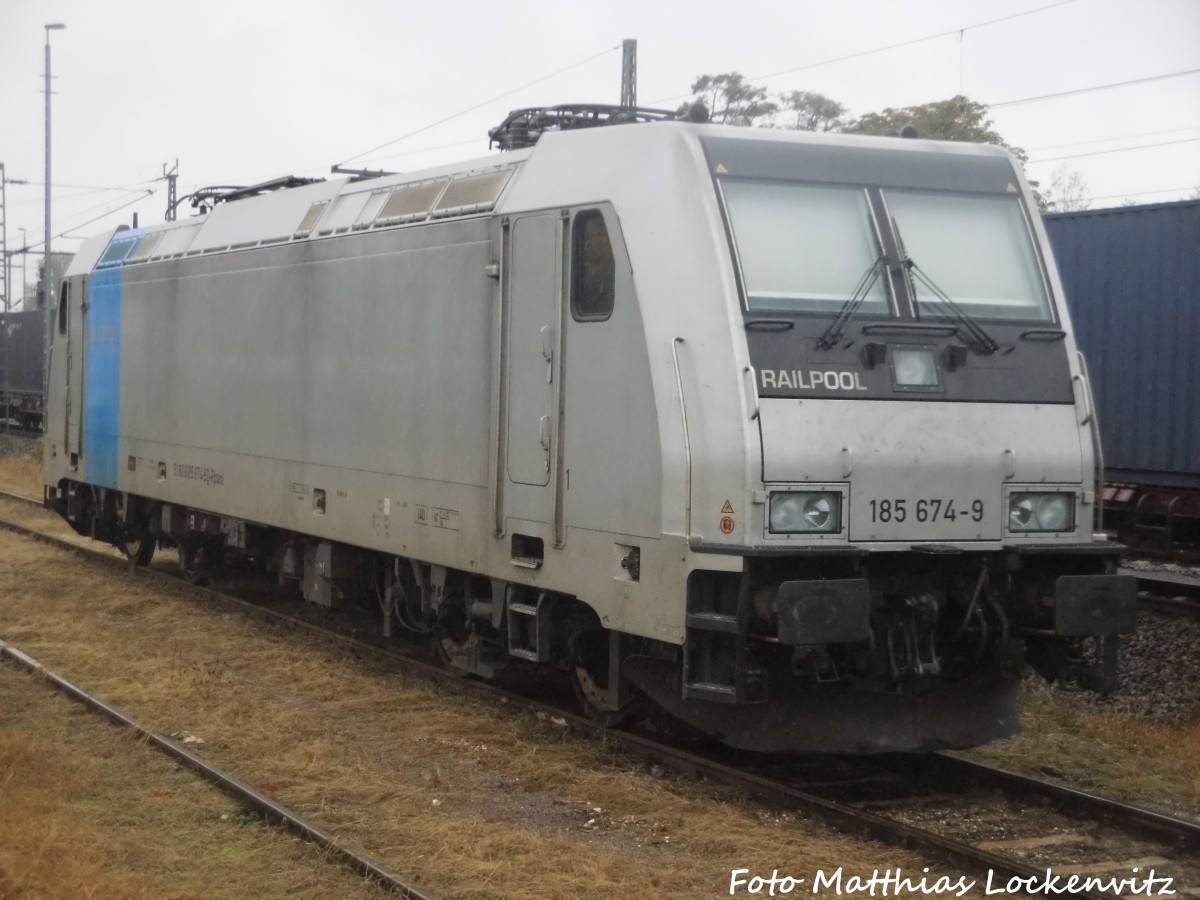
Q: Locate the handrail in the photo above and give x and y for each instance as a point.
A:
(1084, 398)
(751, 384)
(1043, 334)
(1096, 442)
(687, 440)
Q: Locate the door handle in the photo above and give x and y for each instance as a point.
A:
(548, 351)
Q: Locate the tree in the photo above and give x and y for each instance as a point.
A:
(733, 101)
(956, 119)
(810, 111)
(1067, 191)
(730, 100)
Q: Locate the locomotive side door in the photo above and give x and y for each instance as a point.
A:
(75, 305)
(531, 309)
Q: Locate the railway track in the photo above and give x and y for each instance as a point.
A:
(983, 820)
(1168, 593)
(20, 498)
(252, 800)
(18, 431)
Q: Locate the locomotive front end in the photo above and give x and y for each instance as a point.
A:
(922, 522)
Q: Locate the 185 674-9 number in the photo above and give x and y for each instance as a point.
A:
(931, 509)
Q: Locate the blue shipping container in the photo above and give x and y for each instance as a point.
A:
(1132, 279)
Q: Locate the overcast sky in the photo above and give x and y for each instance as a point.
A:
(244, 91)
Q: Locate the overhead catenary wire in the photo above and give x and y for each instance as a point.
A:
(66, 232)
(909, 43)
(83, 193)
(137, 185)
(1095, 87)
(1174, 190)
(141, 194)
(402, 153)
(887, 47)
(1116, 150)
(463, 112)
(1119, 137)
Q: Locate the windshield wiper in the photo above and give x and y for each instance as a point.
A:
(833, 333)
(986, 343)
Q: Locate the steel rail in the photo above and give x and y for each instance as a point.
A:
(249, 798)
(1168, 586)
(1173, 606)
(21, 498)
(842, 816)
(1157, 826)
(1187, 555)
(1166, 593)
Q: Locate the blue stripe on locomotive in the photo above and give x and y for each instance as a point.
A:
(102, 378)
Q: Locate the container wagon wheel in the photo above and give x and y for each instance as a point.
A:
(590, 681)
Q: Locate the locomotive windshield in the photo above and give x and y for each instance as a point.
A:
(804, 247)
(976, 248)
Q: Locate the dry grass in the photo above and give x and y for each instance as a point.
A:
(470, 800)
(1158, 765)
(367, 754)
(88, 811)
(21, 473)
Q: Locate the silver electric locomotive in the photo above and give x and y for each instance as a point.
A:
(785, 433)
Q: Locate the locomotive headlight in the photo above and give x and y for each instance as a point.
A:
(1041, 512)
(914, 367)
(797, 512)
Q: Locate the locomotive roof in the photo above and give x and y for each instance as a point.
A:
(473, 187)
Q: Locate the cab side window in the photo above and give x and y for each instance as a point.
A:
(593, 270)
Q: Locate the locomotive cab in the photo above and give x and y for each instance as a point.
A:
(928, 489)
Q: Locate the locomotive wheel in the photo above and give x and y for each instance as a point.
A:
(590, 681)
(452, 640)
(195, 559)
(139, 550)
(139, 542)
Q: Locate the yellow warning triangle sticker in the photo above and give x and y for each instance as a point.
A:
(721, 170)
(1011, 188)
(727, 508)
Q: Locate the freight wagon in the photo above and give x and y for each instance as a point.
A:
(1132, 281)
(21, 357)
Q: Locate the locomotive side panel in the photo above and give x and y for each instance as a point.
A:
(331, 388)
(365, 353)
(344, 389)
